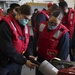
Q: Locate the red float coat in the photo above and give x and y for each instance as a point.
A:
(69, 21)
(45, 13)
(48, 42)
(20, 38)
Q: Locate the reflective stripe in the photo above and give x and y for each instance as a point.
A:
(57, 34)
(26, 29)
(71, 22)
(13, 26)
(37, 48)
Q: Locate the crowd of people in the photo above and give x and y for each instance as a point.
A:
(54, 36)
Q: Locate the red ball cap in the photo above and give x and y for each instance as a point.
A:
(49, 4)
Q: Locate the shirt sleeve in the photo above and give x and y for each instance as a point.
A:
(40, 18)
(64, 47)
(6, 44)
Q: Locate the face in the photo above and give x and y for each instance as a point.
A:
(65, 10)
(53, 23)
(23, 19)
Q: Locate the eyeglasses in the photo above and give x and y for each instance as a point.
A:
(26, 18)
(52, 23)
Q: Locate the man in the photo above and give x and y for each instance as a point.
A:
(33, 17)
(12, 8)
(53, 39)
(14, 42)
(68, 21)
(42, 16)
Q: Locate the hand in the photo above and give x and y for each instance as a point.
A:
(32, 57)
(30, 64)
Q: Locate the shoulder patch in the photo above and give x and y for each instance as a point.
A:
(42, 26)
(57, 34)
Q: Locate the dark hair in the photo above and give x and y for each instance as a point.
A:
(25, 9)
(58, 14)
(63, 4)
(44, 9)
(36, 9)
(14, 5)
(8, 10)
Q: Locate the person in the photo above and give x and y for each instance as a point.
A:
(15, 47)
(42, 16)
(33, 17)
(53, 39)
(68, 21)
(12, 8)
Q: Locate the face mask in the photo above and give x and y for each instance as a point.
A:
(52, 27)
(23, 22)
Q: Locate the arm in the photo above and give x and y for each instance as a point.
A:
(41, 17)
(64, 47)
